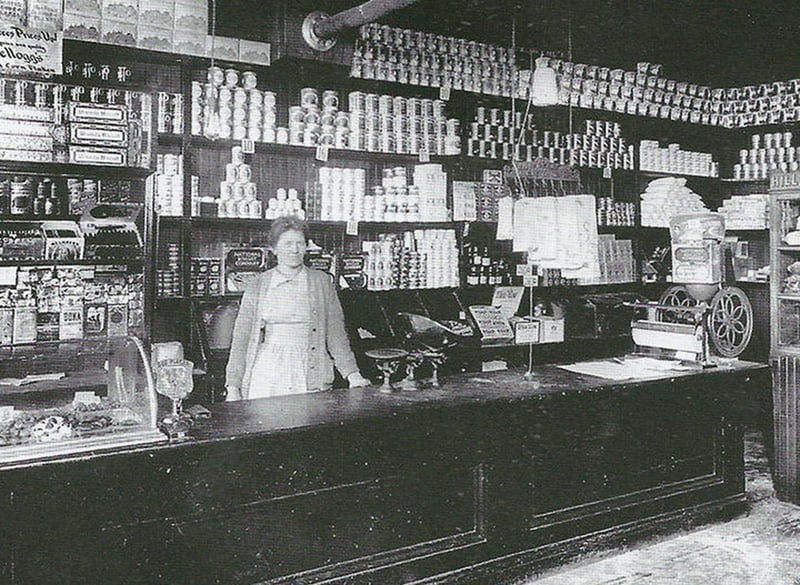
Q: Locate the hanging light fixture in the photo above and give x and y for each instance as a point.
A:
(544, 88)
(211, 121)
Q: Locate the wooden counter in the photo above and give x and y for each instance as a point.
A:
(474, 482)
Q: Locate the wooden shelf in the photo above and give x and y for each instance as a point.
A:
(334, 225)
(310, 152)
(82, 262)
(56, 169)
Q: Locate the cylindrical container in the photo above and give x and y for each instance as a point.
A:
(249, 80)
(371, 103)
(356, 101)
(231, 77)
(330, 98)
(308, 97)
(244, 173)
(296, 114)
(215, 76)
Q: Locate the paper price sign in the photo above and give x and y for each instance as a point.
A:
(424, 155)
(606, 172)
(444, 93)
(352, 228)
(322, 152)
(248, 146)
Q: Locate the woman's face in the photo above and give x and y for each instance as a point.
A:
(290, 249)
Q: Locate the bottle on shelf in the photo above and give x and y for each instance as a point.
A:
(21, 196)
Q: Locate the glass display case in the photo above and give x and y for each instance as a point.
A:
(785, 262)
(76, 398)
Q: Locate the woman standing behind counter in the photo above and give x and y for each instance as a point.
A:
(289, 332)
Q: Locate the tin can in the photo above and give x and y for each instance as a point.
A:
(296, 114)
(224, 96)
(312, 116)
(269, 99)
(356, 101)
(308, 97)
(231, 77)
(295, 135)
(342, 120)
(385, 105)
(330, 98)
(239, 96)
(340, 138)
(371, 104)
(249, 80)
(215, 76)
(399, 106)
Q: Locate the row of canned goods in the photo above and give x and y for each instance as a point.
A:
(372, 103)
(434, 43)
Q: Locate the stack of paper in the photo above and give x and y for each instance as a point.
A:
(667, 197)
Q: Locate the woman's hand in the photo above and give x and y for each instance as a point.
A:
(232, 393)
(356, 380)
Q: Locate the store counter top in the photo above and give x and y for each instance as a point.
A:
(282, 414)
(479, 481)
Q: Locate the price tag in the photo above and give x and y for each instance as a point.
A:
(322, 152)
(606, 172)
(444, 93)
(352, 228)
(529, 280)
(248, 146)
(424, 155)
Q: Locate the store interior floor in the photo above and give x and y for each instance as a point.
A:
(760, 547)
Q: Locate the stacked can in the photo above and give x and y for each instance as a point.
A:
(770, 151)
(601, 145)
(385, 123)
(168, 282)
(235, 99)
(285, 203)
(170, 112)
(419, 58)
(169, 185)
(503, 134)
(238, 193)
(418, 259)
(343, 195)
(673, 159)
(317, 120)
(615, 213)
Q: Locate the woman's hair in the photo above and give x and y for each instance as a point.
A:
(285, 224)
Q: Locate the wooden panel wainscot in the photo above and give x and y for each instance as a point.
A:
(486, 478)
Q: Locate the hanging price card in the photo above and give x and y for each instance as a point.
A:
(322, 152)
(352, 228)
(444, 93)
(606, 172)
(424, 155)
(248, 146)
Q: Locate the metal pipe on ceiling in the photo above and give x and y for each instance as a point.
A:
(320, 29)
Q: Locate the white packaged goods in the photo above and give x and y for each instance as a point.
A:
(667, 197)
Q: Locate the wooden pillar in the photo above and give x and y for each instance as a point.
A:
(785, 397)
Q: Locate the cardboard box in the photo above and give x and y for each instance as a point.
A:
(191, 16)
(527, 332)
(70, 325)
(45, 15)
(188, 43)
(551, 329)
(118, 32)
(120, 10)
(225, 48)
(159, 13)
(82, 8)
(82, 28)
(154, 38)
(254, 52)
(24, 325)
(95, 319)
